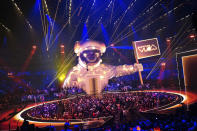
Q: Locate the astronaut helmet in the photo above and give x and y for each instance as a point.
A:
(89, 51)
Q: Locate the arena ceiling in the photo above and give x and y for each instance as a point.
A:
(50, 23)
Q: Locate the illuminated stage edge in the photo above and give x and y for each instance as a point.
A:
(185, 99)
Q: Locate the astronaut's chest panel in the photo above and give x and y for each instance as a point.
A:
(90, 74)
(95, 74)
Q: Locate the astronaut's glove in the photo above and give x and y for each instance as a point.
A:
(138, 67)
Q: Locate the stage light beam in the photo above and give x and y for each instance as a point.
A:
(21, 14)
(29, 58)
(6, 28)
(70, 9)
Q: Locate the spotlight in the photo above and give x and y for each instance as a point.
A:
(62, 46)
(62, 49)
(168, 40)
(62, 77)
(34, 46)
(10, 74)
(192, 36)
(62, 52)
(163, 64)
(112, 45)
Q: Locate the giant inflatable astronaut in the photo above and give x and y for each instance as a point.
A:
(89, 74)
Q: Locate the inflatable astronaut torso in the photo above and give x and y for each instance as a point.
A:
(89, 74)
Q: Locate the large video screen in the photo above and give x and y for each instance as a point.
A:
(187, 69)
(190, 70)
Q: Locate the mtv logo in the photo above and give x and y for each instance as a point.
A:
(146, 48)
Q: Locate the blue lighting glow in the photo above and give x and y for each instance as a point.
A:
(49, 19)
(122, 4)
(105, 35)
(123, 47)
(135, 35)
(4, 42)
(85, 33)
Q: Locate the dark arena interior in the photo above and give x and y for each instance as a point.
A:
(103, 65)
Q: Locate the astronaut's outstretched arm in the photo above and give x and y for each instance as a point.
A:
(127, 69)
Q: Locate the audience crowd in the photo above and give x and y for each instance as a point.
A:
(180, 119)
(177, 120)
(109, 104)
